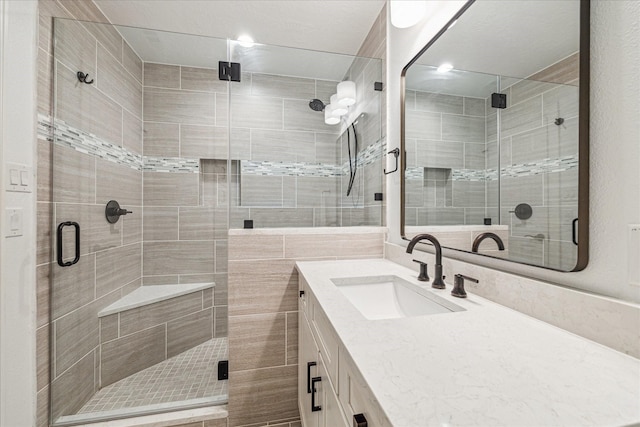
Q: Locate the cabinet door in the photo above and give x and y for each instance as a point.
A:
(355, 396)
(331, 414)
(326, 338)
(307, 354)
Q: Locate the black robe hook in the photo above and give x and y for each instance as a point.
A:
(83, 77)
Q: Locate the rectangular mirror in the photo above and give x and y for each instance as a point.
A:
(495, 115)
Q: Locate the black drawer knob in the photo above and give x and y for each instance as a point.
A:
(359, 420)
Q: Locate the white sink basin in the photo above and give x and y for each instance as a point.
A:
(390, 297)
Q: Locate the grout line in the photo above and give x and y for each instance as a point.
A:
(286, 336)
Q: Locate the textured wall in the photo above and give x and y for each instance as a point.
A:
(293, 167)
(185, 208)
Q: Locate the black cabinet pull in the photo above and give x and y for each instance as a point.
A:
(62, 225)
(359, 420)
(309, 365)
(314, 408)
(574, 231)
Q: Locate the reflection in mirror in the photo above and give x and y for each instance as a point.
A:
(491, 133)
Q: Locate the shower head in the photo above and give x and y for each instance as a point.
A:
(316, 105)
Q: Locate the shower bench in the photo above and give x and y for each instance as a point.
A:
(152, 324)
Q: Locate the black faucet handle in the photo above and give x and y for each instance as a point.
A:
(471, 279)
(458, 285)
(424, 276)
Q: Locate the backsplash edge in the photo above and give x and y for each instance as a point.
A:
(605, 320)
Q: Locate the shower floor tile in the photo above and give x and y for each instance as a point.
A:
(188, 376)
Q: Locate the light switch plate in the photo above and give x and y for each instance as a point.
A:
(18, 178)
(13, 222)
(633, 251)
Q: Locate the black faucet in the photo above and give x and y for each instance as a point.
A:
(438, 281)
(482, 236)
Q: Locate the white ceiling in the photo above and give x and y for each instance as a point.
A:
(198, 51)
(338, 26)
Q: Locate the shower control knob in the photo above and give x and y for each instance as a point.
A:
(113, 212)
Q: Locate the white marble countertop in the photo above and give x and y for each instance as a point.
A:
(485, 366)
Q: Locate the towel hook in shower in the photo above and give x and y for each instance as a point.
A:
(83, 77)
(396, 153)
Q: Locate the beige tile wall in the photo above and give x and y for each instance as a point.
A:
(272, 122)
(185, 213)
(138, 338)
(529, 135)
(458, 142)
(263, 301)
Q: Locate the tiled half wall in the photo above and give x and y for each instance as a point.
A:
(263, 312)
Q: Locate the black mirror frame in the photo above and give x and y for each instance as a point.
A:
(583, 137)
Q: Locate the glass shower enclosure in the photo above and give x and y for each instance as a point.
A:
(138, 314)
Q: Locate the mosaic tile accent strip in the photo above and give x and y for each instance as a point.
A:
(514, 171)
(44, 128)
(366, 157)
(84, 142)
(544, 166)
(414, 174)
(470, 175)
(266, 168)
(370, 154)
(170, 164)
(88, 143)
(187, 376)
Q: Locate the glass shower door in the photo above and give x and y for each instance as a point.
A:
(138, 290)
(539, 168)
(289, 168)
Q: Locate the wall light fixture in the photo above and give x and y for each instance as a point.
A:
(407, 13)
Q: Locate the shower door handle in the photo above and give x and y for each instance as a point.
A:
(62, 225)
(574, 231)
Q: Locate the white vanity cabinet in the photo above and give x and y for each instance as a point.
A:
(376, 368)
(331, 392)
(317, 398)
